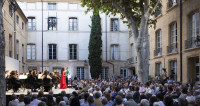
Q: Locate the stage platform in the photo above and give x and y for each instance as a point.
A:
(69, 90)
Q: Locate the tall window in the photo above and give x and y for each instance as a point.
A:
(114, 52)
(158, 50)
(114, 24)
(10, 10)
(31, 23)
(52, 51)
(73, 23)
(80, 73)
(105, 73)
(22, 25)
(194, 26)
(173, 37)
(73, 51)
(17, 19)
(30, 52)
(158, 69)
(123, 72)
(17, 47)
(173, 69)
(52, 6)
(22, 53)
(52, 23)
(10, 46)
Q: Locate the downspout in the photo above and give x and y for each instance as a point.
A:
(181, 61)
(42, 37)
(107, 47)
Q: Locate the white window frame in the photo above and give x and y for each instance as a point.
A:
(73, 24)
(114, 24)
(159, 42)
(22, 52)
(17, 19)
(195, 24)
(159, 69)
(73, 52)
(80, 73)
(52, 52)
(17, 51)
(31, 23)
(10, 46)
(123, 73)
(105, 73)
(52, 23)
(31, 52)
(114, 52)
(173, 66)
(52, 6)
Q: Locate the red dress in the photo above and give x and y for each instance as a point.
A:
(63, 84)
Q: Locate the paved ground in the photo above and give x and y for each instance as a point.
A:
(55, 91)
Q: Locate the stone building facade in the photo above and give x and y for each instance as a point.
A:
(66, 38)
(165, 41)
(14, 22)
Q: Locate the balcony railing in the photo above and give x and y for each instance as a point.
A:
(171, 3)
(172, 48)
(158, 12)
(158, 52)
(131, 60)
(192, 42)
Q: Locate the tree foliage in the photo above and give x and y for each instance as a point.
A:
(137, 14)
(129, 8)
(95, 45)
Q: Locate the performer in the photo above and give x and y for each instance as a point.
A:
(67, 73)
(63, 79)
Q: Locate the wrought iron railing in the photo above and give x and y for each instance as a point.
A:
(192, 42)
(171, 3)
(158, 52)
(158, 12)
(172, 48)
(131, 60)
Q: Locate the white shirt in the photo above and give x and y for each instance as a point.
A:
(35, 102)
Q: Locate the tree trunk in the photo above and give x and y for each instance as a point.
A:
(2, 60)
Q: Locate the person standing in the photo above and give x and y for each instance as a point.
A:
(67, 73)
(63, 80)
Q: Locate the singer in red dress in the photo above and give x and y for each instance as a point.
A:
(63, 84)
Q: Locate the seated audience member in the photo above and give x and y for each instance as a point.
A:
(97, 101)
(34, 101)
(118, 101)
(91, 101)
(27, 101)
(130, 101)
(42, 104)
(21, 100)
(14, 100)
(144, 102)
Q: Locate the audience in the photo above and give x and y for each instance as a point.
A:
(116, 92)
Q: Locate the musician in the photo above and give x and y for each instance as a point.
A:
(35, 76)
(6, 74)
(54, 79)
(46, 81)
(14, 81)
(31, 80)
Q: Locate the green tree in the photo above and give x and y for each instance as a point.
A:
(95, 45)
(137, 14)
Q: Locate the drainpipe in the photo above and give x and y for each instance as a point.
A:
(181, 61)
(107, 47)
(42, 37)
(14, 9)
